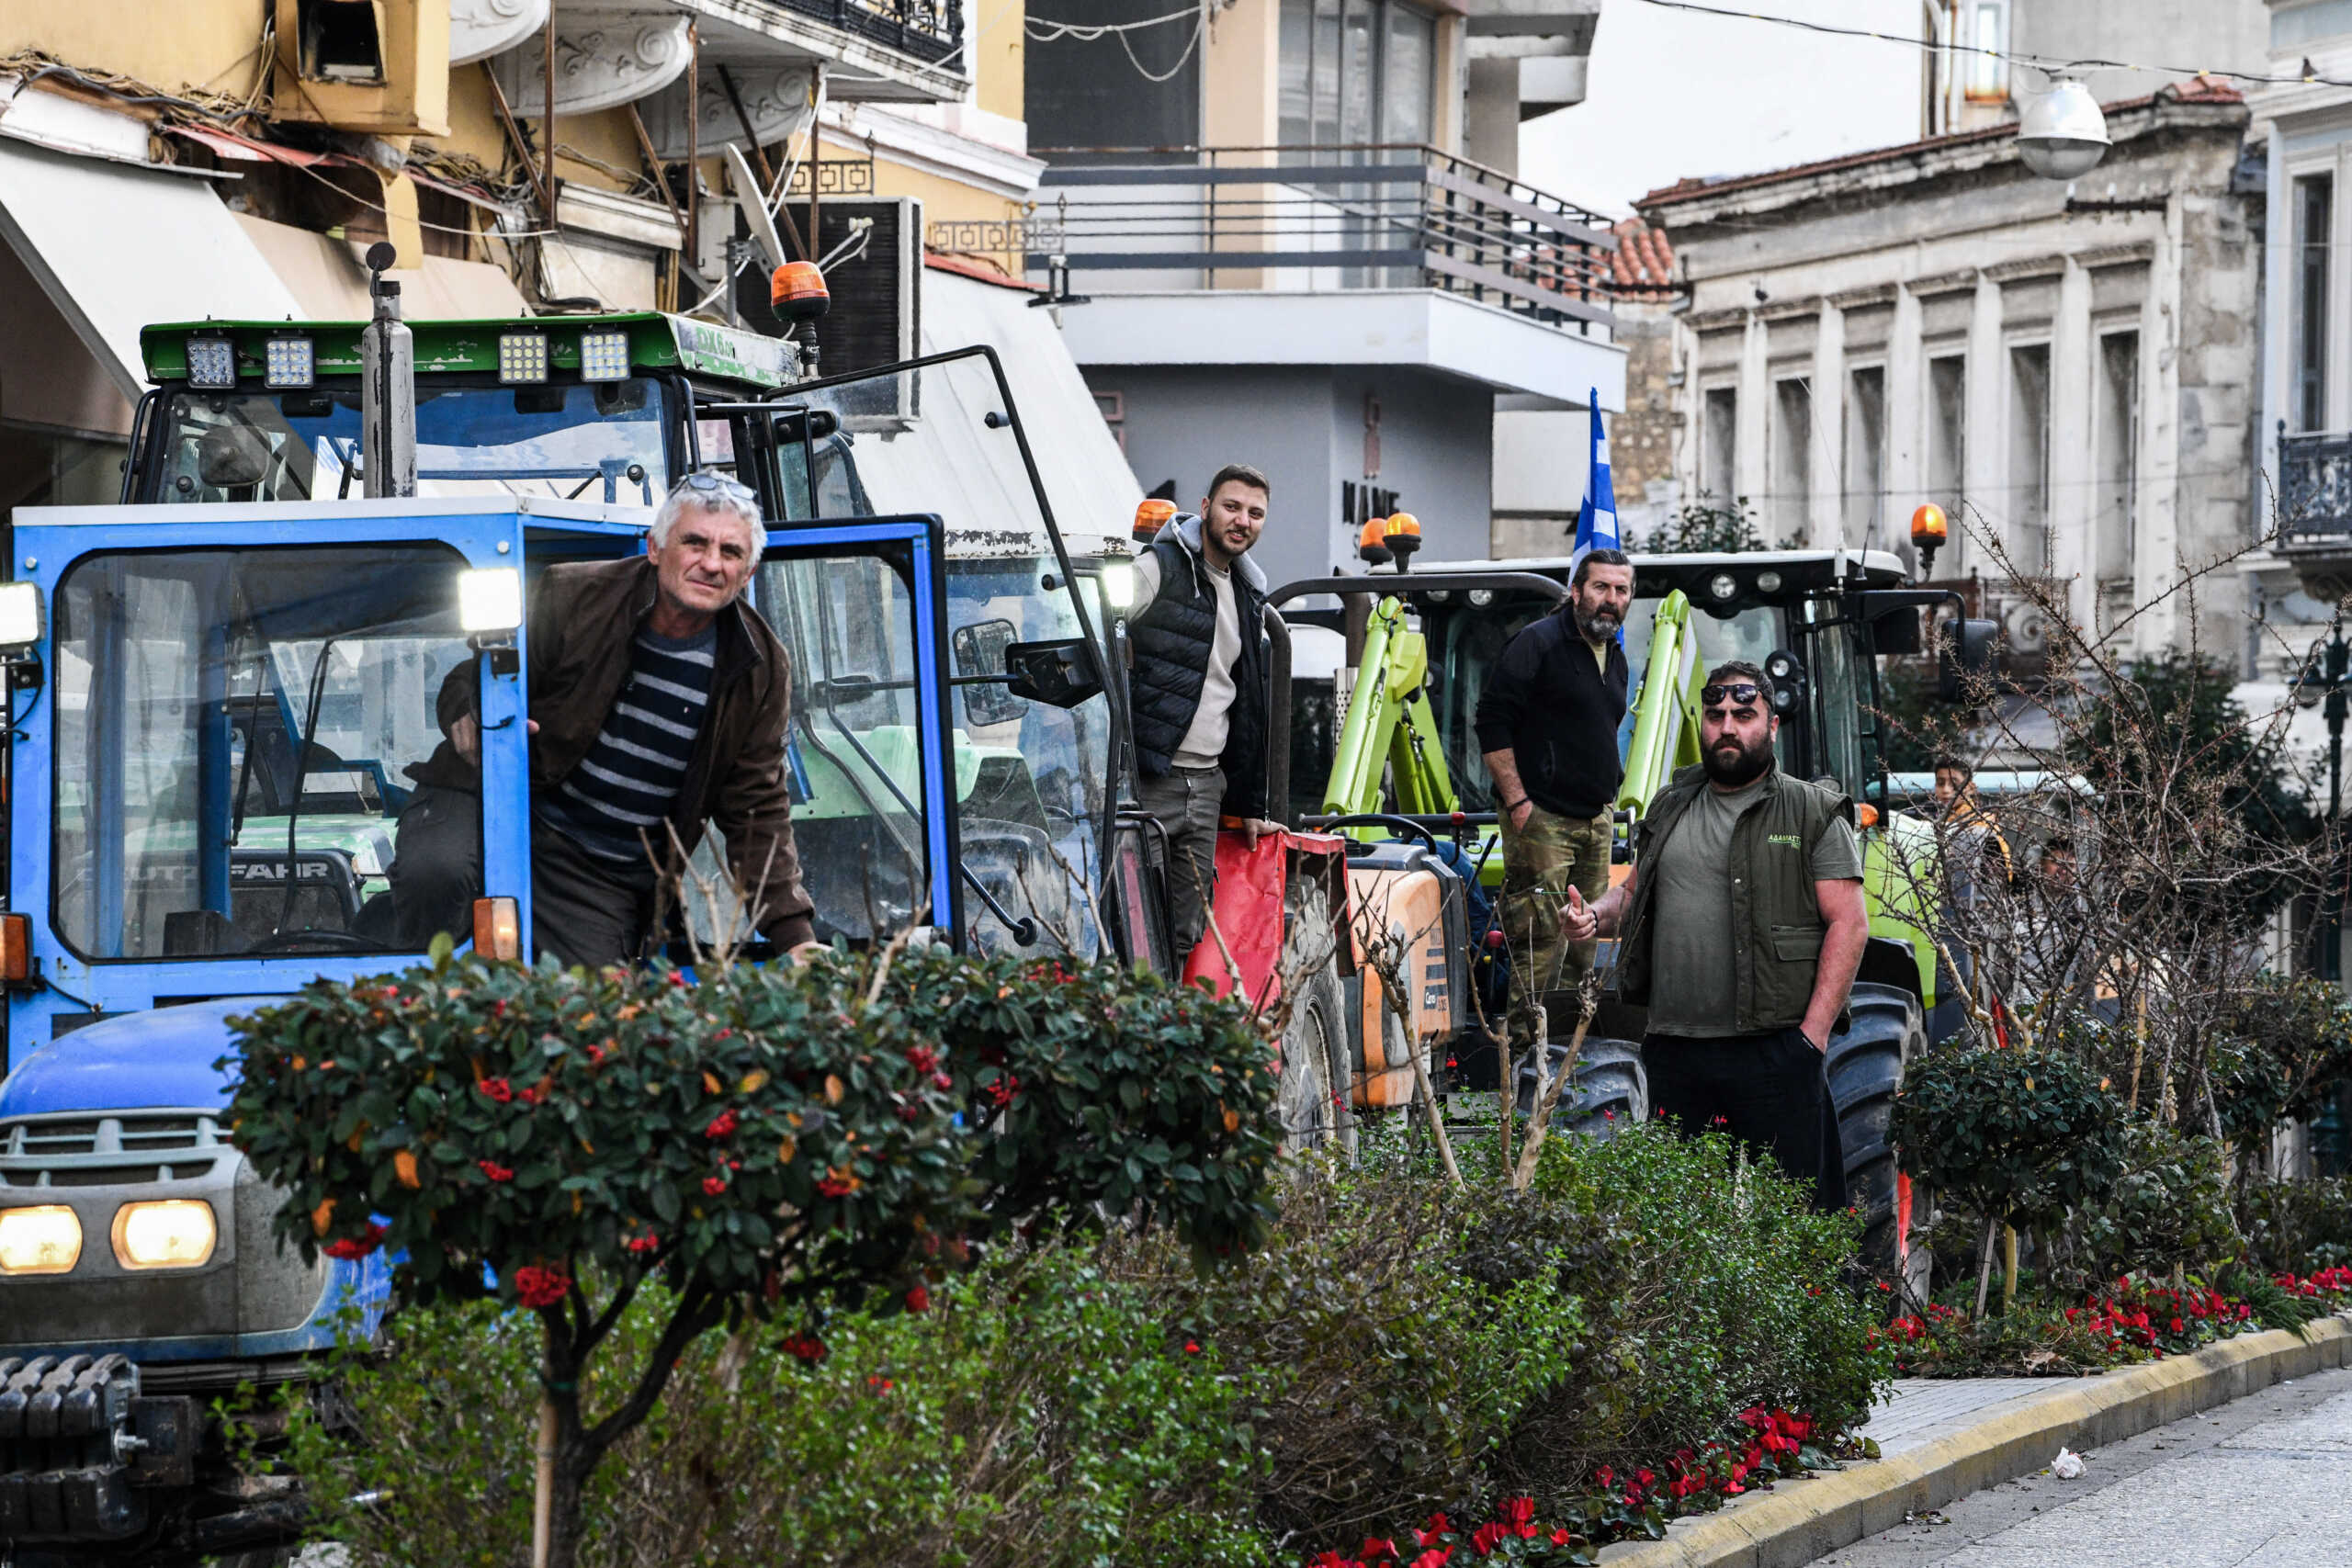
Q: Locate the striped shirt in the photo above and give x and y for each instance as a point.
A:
(630, 779)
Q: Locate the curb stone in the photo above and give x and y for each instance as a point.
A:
(1798, 1521)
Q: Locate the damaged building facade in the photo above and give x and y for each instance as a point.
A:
(2070, 371)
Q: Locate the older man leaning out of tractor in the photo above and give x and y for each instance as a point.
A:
(1547, 722)
(660, 701)
(1742, 927)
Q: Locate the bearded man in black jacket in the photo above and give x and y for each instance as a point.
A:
(1547, 723)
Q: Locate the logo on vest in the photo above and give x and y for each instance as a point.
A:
(1787, 841)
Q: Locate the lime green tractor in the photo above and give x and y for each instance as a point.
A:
(1388, 670)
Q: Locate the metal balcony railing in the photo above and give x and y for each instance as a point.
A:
(1384, 215)
(931, 31)
(2315, 490)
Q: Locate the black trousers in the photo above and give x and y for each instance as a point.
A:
(584, 910)
(1766, 1090)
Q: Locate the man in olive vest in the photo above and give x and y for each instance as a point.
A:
(1742, 926)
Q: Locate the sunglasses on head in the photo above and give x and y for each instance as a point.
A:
(1740, 692)
(718, 484)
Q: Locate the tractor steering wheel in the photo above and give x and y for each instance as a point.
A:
(313, 941)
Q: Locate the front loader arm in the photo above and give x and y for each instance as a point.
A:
(1389, 729)
(1665, 712)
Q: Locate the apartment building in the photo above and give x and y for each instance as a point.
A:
(1301, 245)
(235, 157)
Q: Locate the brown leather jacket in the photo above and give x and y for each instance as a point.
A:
(583, 621)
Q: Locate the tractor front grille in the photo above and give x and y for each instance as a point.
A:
(131, 1148)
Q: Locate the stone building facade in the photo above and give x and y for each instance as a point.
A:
(2071, 372)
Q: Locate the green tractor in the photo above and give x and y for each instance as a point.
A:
(1388, 670)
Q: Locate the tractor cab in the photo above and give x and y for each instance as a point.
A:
(1817, 620)
(614, 409)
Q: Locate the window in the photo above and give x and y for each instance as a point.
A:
(2116, 452)
(1865, 454)
(1791, 477)
(1948, 445)
(2315, 213)
(1984, 31)
(339, 42)
(1718, 447)
(2029, 498)
(236, 731)
(1356, 71)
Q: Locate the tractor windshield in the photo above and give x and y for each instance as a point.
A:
(1466, 644)
(234, 733)
(601, 442)
(1031, 776)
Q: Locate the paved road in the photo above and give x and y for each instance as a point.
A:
(2266, 1481)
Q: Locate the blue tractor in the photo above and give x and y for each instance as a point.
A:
(215, 692)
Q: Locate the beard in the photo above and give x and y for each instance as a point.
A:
(1598, 626)
(1734, 764)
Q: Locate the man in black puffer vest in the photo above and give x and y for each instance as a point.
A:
(1198, 691)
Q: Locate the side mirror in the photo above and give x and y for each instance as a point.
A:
(1059, 674)
(980, 650)
(1963, 652)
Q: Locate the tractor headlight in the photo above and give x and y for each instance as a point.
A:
(489, 599)
(170, 1232)
(288, 364)
(21, 618)
(211, 364)
(1724, 585)
(604, 357)
(522, 358)
(1118, 584)
(42, 1240)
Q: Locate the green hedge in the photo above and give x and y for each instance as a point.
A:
(1397, 1346)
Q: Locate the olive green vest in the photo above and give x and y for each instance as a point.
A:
(1776, 921)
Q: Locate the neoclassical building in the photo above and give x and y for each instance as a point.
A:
(2071, 368)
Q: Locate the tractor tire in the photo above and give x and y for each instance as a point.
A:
(1608, 1094)
(1864, 1069)
(1317, 1076)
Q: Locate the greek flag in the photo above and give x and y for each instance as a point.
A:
(1597, 522)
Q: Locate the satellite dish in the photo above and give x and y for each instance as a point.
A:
(749, 197)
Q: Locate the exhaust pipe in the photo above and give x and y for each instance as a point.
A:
(386, 386)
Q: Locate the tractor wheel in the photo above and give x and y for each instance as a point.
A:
(1608, 1094)
(1316, 1078)
(1864, 1069)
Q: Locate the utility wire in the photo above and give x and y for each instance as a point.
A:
(1045, 31)
(2048, 64)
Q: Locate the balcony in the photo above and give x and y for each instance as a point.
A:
(762, 52)
(1379, 253)
(2315, 509)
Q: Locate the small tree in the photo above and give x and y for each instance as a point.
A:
(768, 1142)
(2023, 1136)
(1705, 526)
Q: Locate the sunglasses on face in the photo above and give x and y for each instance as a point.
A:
(1742, 694)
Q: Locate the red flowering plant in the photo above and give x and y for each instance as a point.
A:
(763, 1143)
(757, 1141)
(1100, 1090)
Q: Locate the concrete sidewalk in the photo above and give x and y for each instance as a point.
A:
(1941, 1440)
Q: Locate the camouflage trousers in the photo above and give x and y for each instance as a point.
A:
(1541, 862)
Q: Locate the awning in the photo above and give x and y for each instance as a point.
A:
(1087, 478)
(115, 247)
(325, 275)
